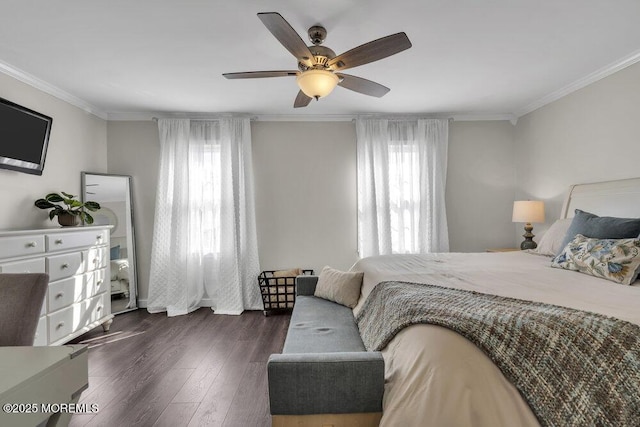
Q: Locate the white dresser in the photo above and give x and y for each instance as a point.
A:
(77, 261)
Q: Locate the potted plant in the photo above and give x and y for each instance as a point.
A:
(69, 214)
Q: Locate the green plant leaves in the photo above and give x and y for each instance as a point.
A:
(92, 206)
(43, 204)
(87, 218)
(73, 206)
(54, 197)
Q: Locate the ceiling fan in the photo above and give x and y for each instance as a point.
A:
(319, 69)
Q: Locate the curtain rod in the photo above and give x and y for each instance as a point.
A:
(401, 118)
(257, 119)
(206, 118)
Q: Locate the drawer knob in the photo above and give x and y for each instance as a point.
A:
(58, 241)
(95, 260)
(64, 266)
(59, 325)
(59, 294)
(99, 308)
(99, 282)
(99, 237)
(32, 244)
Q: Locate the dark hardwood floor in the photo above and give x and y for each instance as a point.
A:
(200, 369)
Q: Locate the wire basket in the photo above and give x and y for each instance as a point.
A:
(278, 290)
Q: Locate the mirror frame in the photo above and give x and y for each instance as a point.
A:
(130, 253)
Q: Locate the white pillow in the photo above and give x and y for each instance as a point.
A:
(551, 242)
(339, 286)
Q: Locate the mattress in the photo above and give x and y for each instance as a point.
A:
(435, 377)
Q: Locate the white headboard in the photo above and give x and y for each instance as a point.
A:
(619, 198)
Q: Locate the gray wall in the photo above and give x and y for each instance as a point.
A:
(134, 149)
(305, 184)
(590, 135)
(78, 142)
(306, 200)
(480, 186)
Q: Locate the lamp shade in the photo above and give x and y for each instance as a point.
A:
(317, 83)
(528, 211)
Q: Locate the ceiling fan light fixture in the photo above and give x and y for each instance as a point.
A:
(317, 83)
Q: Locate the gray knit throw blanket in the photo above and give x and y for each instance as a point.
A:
(574, 368)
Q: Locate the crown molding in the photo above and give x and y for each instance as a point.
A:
(580, 83)
(151, 116)
(304, 117)
(148, 116)
(52, 90)
(476, 117)
(37, 83)
(133, 116)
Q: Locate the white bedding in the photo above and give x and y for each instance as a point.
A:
(435, 377)
(120, 269)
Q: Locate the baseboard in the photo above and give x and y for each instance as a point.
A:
(206, 302)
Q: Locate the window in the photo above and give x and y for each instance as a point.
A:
(401, 179)
(205, 184)
(404, 197)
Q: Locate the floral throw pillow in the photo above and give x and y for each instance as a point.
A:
(617, 260)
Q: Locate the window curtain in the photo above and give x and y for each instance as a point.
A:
(402, 169)
(204, 237)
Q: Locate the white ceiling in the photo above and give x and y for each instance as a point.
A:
(124, 58)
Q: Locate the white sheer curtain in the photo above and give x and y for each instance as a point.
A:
(402, 169)
(204, 237)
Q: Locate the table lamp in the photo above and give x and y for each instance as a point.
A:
(528, 211)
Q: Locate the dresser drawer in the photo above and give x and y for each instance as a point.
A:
(95, 258)
(19, 246)
(77, 262)
(117, 286)
(98, 307)
(66, 292)
(63, 322)
(62, 266)
(64, 241)
(97, 282)
(41, 338)
(30, 266)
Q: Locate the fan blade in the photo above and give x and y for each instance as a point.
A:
(302, 100)
(260, 74)
(286, 35)
(372, 51)
(360, 85)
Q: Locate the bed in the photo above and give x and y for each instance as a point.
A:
(120, 277)
(434, 376)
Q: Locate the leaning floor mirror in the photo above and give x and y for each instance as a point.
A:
(113, 193)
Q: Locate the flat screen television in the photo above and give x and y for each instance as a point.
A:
(24, 136)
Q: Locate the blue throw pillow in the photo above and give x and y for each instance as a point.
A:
(114, 253)
(601, 227)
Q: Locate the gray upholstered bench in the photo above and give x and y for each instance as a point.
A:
(324, 374)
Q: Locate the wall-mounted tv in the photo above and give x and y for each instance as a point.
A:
(24, 136)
